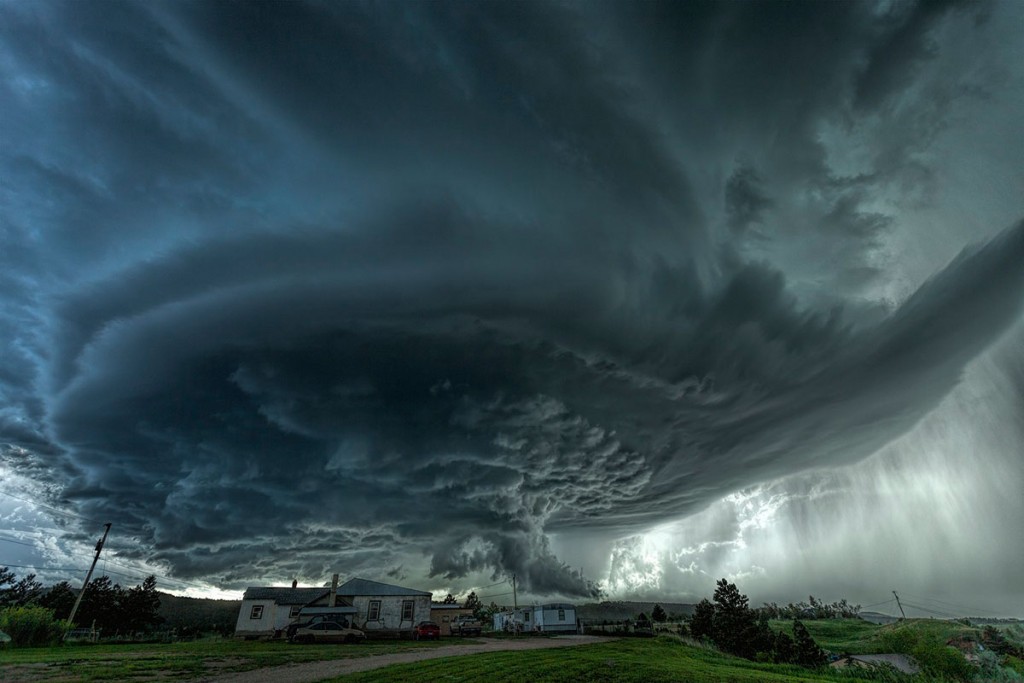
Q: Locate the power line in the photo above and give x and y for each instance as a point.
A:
(88, 519)
(925, 609)
(948, 604)
(11, 540)
(105, 572)
(49, 507)
(495, 595)
(884, 602)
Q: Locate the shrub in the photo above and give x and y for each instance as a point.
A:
(31, 626)
(938, 660)
(900, 639)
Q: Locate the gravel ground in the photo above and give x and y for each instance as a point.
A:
(318, 671)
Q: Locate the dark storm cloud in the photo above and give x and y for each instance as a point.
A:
(401, 286)
(745, 201)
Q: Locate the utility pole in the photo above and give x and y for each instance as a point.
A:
(899, 605)
(78, 600)
(515, 602)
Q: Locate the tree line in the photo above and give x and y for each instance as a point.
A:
(27, 607)
(814, 609)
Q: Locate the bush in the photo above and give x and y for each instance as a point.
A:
(31, 626)
(901, 639)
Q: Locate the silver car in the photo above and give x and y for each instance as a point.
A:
(328, 632)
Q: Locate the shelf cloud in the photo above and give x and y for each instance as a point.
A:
(410, 290)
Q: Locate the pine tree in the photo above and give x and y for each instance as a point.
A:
(139, 606)
(783, 649)
(60, 598)
(473, 603)
(18, 593)
(807, 651)
(450, 600)
(735, 624)
(658, 614)
(702, 623)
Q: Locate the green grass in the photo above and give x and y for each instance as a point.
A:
(842, 636)
(633, 660)
(858, 637)
(105, 662)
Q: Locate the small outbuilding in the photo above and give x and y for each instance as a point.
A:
(444, 614)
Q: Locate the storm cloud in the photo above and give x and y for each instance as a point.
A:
(405, 289)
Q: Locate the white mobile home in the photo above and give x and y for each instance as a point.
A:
(556, 617)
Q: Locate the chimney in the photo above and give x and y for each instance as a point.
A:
(334, 591)
(295, 582)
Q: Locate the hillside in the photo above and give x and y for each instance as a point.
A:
(198, 615)
(619, 610)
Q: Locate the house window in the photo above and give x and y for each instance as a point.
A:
(373, 610)
(561, 615)
(257, 612)
(526, 616)
(407, 607)
(294, 612)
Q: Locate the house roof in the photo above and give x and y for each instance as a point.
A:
(442, 605)
(285, 595)
(367, 587)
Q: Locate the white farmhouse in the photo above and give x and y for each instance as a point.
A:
(384, 607)
(266, 612)
(375, 607)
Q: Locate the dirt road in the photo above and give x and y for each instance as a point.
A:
(318, 671)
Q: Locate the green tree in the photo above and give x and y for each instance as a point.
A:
(101, 604)
(735, 622)
(450, 600)
(15, 593)
(138, 607)
(473, 603)
(658, 614)
(60, 598)
(783, 649)
(807, 651)
(702, 623)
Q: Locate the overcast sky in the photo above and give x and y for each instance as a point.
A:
(619, 298)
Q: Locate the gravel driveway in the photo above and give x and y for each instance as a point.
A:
(318, 671)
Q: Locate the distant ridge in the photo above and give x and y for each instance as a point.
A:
(618, 610)
(198, 615)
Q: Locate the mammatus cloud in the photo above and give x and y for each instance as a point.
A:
(413, 293)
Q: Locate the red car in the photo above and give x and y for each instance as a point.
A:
(427, 630)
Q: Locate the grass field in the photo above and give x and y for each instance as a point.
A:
(632, 660)
(178, 660)
(842, 636)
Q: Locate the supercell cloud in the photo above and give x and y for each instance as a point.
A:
(410, 290)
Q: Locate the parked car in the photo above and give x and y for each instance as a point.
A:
(466, 625)
(336, 617)
(327, 632)
(427, 630)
